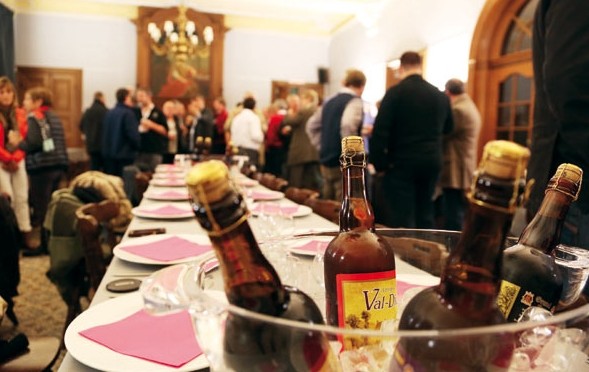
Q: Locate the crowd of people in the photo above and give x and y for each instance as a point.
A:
(422, 143)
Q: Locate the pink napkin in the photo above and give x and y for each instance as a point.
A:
(314, 246)
(402, 287)
(288, 210)
(168, 249)
(167, 210)
(171, 182)
(173, 194)
(165, 339)
(169, 176)
(263, 195)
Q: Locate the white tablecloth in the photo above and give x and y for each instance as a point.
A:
(122, 269)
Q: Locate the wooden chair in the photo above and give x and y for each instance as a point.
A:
(300, 195)
(272, 182)
(142, 183)
(425, 254)
(328, 209)
(91, 218)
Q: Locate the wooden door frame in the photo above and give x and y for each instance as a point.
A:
(485, 53)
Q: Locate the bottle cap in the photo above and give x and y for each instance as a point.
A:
(208, 181)
(504, 159)
(567, 179)
(353, 153)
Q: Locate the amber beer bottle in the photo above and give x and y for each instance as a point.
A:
(531, 276)
(467, 294)
(359, 266)
(252, 283)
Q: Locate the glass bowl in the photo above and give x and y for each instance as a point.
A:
(235, 339)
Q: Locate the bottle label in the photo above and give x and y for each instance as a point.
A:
(513, 300)
(366, 301)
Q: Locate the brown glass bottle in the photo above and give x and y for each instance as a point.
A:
(467, 294)
(359, 268)
(251, 282)
(531, 276)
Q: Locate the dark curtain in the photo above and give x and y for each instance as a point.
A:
(6, 42)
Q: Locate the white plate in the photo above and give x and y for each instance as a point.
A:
(165, 168)
(102, 358)
(168, 176)
(301, 212)
(424, 280)
(268, 195)
(130, 257)
(141, 212)
(168, 182)
(299, 243)
(160, 195)
(246, 182)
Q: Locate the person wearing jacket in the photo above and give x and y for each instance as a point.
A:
(91, 126)
(46, 156)
(120, 135)
(13, 175)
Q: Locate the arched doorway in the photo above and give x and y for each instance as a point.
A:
(501, 74)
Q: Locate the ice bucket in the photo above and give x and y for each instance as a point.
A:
(544, 343)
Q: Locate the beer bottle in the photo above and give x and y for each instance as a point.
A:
(531, 276)
(252, 283)
(359, 266)
(467, 294)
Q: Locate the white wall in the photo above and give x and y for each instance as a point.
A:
(104, 48)
(253, 59)
(445, 28)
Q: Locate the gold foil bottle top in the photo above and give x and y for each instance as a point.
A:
(353, 153)
(567, 179)
(208, 181)
(504, 159)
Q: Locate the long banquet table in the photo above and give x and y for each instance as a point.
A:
(119, 269)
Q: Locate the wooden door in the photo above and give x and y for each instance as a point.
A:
(66, 87)
(501, 73)
(511, 94)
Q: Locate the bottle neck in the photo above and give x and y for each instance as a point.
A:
(356, 211)
(543, 232)
(472, 275)
(250, 280)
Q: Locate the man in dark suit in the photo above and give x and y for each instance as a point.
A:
(154, 131)
(91, 125)
(561, 111)
(406, 146)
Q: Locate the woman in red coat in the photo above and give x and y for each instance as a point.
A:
(13, 175)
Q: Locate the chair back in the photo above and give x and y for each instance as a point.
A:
(272, 182)
(91, 217)
(141, 183)
(328, 209)
(300, 195)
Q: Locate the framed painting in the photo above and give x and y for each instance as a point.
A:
(171, 74)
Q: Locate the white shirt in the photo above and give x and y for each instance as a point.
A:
(246, 130)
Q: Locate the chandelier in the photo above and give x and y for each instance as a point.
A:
(179, 39)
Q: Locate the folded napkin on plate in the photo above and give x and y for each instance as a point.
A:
(170, 182)
(276, 209)
(168, 249)
(165, 339)
(263, 195)
(167, 210)
(172, 194)
(403, 287)
(316, 246)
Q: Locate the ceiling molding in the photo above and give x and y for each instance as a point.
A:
(304, 17)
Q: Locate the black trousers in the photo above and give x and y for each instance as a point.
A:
(407, 196)
(42, 185)
(454, 207)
